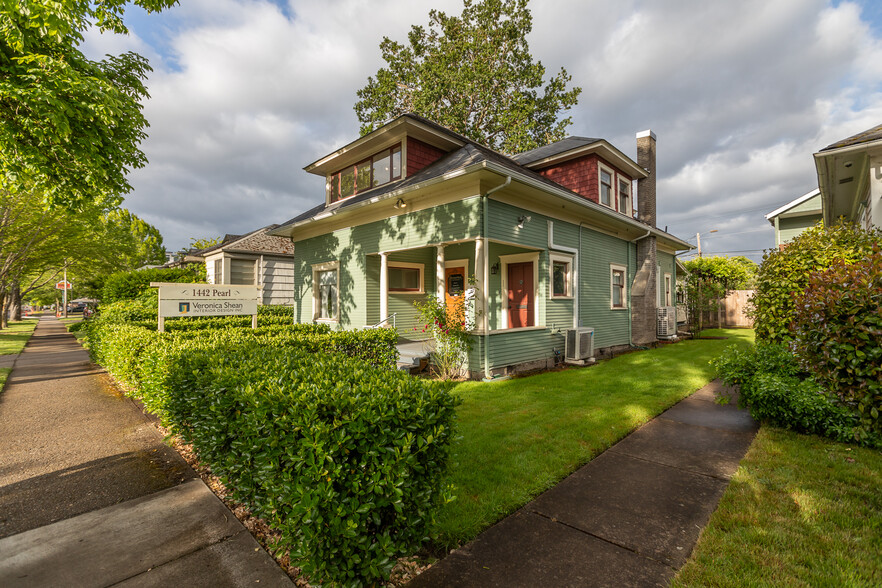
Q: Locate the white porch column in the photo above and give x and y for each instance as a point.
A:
(480, 283)
(384, 286)
(439, 273)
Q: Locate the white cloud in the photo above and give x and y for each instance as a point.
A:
(740, 94)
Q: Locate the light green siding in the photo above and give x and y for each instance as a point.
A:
(402, 303)
(666, 266)
(788, 228)
(355, 248)
(599, 251)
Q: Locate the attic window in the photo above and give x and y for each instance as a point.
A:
(606, 187)
(379, 169)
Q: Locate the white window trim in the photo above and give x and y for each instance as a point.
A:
(504, 261)
(568, 259)
(665, 292)
(324, 267)
(613, 195)
(619, 199)
(615, 267)
(408, 265)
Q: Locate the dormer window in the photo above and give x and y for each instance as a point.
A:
(379, 169)
(625, 197)
(606, 187)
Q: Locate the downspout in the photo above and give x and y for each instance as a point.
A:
(485, 231)
(575, 253)
(630, 307)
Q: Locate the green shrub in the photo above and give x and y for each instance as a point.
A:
(345, 459)
(777, 390)
(837, 333)
(784, 273)
(129, 285)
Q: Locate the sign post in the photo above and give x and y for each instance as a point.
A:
(206, 300)
(64, 286)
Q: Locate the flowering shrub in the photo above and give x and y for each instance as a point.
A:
(449, 325)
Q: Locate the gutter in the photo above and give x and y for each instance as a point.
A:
(503, 171)
(575, 253)
(486, 270)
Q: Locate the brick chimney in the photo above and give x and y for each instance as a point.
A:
(646, 186)
(644, 291)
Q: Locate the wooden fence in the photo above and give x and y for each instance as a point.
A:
(732, 311)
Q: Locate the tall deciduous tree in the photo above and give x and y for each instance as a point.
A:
(69, 126)
(474, 74)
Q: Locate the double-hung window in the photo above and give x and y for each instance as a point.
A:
(625, 197)
(561, 276)
(606, 187)
(618, 290)
(326, 293)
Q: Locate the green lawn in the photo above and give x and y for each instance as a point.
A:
(519, 437)
(13, 339)
(800, 511)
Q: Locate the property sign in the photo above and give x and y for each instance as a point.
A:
(63, 285)
(206, 300)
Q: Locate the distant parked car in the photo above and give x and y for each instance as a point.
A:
(76, 307)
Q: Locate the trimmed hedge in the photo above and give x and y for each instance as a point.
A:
(130, 285)
(346, 460)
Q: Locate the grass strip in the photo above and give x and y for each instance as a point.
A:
(4, 373)
(520, 437)
(14, 338)
(800, 511)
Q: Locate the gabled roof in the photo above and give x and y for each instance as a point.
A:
(553, 149)
(793, 204)
(469, 157)
(868, 136)
(256, 242)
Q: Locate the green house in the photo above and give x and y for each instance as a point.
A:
(554, 259)
(796, 216)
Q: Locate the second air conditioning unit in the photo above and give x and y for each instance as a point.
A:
(667, 322)
(580, 344)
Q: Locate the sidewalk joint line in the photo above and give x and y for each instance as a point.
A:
(673, 467)
(604, 539)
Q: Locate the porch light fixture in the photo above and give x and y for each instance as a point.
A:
(399, 204)
(522, 220)
(494, 269)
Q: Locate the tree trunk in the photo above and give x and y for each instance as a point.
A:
(3, 310)
(15, 303)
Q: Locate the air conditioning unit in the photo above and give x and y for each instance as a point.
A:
(667, 322)
(580, 344)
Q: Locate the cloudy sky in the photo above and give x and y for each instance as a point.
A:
(244, 93)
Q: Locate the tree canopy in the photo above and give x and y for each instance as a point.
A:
(69, 126)
(474, 74)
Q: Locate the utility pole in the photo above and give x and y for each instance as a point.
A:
(698, 238)
(64, 295)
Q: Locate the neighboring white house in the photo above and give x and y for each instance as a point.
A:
(796, 216)
(253, 259)
(850, 179)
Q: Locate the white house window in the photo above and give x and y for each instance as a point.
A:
(618, 292)
(606, 187)
(381, 168)
(625, 197)
(242, 271)
(406, 277)
(561, 276)
(326, 293)
(668, 290)
(217, 275)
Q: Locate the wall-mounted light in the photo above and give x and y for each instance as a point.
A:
(522, 220)
(399, 204)
(494, 269)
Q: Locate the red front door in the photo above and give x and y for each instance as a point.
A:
(520, 294)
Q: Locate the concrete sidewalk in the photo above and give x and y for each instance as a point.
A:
(630, 517)
(91, 496)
